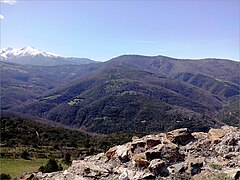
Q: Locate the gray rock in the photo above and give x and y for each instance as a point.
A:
(163, 156)
(179, 167)
(123, 176)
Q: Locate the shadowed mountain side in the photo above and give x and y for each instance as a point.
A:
(139, 93)
(20, 83)
(127, 100)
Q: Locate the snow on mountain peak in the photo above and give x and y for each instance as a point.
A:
(28, 51)
(25, 51)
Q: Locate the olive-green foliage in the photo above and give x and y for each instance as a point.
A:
(51, 166)
(220, 176)
(215, 166)
(19, 139)
(120, 99)
(25, 155)
(67, 158)
(18, 131)
(230, 115)
(183, 176)
(4, 176)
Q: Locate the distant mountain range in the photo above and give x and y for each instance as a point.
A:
(31, 56)
(127, 93)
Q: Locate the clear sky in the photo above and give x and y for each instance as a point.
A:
(101, 30)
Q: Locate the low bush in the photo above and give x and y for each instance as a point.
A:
(51, 166)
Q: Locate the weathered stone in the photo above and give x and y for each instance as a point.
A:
(199, 135)
(134, 138)
(154, 153)
(196, 165)
(138, 146)
(122, 152)
(179, 167)
(232, 142)
(148, 176)
(143, 175)
(197, 162)
(151, 142)
(214, 135)
(123, 176)
(170, 152)
(204, 175)
(180, 136)
(111, 151)
(230, 155)
(56, 176)
(237, 176)
(229, 129)
(158, 167)
(155, 156)
(140, 160)
(138, 143)
(28, 176)
(233, 173)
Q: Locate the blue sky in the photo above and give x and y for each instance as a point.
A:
(101, 30)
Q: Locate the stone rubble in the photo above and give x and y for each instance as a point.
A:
(178, 154)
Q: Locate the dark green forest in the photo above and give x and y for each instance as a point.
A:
(44, 141)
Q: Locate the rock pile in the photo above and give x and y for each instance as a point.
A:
(178, 154)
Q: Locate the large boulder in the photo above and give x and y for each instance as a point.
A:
(161, 156)
(122, 152)
(154, 153)
(195, 165)
(140, 160)
(158, 167)
(151, 142)
(233, 173)
(179, 167)
(28, 176)
(168, 152)
(138, 146)
(215, 135)
(111, 151)
(180, 136)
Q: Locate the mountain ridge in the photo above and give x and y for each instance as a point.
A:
(129, 90)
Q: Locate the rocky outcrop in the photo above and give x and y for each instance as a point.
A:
(180, 136)
(178, 154)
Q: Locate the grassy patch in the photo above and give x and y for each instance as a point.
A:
(221, 176)
(16, 167)
(51, 97)
(215, 166)
(74, 102)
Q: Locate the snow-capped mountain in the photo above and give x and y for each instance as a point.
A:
(26, 51)
(31, 56)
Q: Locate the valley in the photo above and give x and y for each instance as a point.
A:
(119, 90)
(129, 93)
(82, 110)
